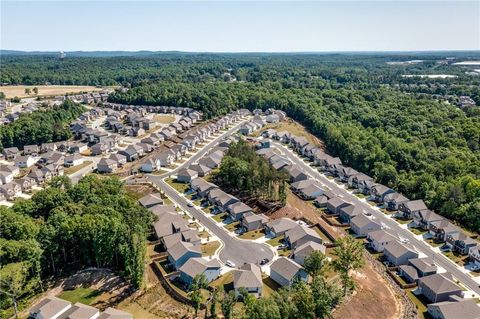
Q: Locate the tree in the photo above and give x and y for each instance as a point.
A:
(199, 283)
(28, 91)
(227, 303)
(2, 96)
(303, 299)
(13, 278)
(325, 296)
(16, 99)
(213, 303)
(35, 90)
(315, 263)
(349, 254)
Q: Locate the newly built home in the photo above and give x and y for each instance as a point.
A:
(285, 271)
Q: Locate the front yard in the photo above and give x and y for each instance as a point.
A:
(179, 187)
(254, 234)
(456, 258)
(232, 226)
(277, 241)
(210, 248)
(74, 169)
(220, 217)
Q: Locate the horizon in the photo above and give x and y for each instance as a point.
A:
(241, 26)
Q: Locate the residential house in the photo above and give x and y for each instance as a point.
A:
(189, 236)
(303, 251)
(362, 225)
(24, 161)
(345, 173)
(147, 148)
(181, 252)
(201, 170)
(285, 271)
(99, 149)
(454, 308)
(424, 218)
(348, 212)
(321, 201)
(398, 254)
(441, 229)
(296, 174)
(10, 153)
(50, 307)
(355, 180)
(26, 184)
(40, 176)
(119, 159)
(202, 187)
(73, 160)
(379, 191)
(379, 239)
(80, 311)
(393, 200)
(168, 222)
(460, 242)
(132, 152)
(186, 175)
(408, 209)
(438, 287)
(300, 234)
(193, 267)
(408, 273)
(424, 266)
(251, 221)
(279, 227)
(335, 204)
(151, 141)
(150, 165)
(33, 150)
(10, 190)
(106, 165)
(474, 255)
(166, 158)
(311, 192)
(151, 200)
(237, 209)
(248, 277)
(298, 186)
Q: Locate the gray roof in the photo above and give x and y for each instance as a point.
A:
(79, 311)
(282, 224)
(161, 209)
(50, 307)
(381, 236)
(167, 222)
(300, 232)
(252, 217)
(187, 172)
(361, 221)
(111, 313)
(307, 248)
(199, 168)
(463, 308)
(181, 248)
(396, 249)
(423, 264)
(415, 205)
(248, 276)
(197, 266)
(151, 200)
(239, 207)
(351, 210)
(440, 283)
(410, 271)
(286, 268)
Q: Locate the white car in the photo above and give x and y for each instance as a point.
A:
(230, 263)
(403, 240)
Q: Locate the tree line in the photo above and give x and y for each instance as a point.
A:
(64, 228)
(41, 126)
(242, 170)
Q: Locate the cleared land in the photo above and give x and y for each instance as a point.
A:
(45, 90)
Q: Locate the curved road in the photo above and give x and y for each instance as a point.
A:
(234, 249)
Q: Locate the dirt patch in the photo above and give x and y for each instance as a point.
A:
(373, 298)
(137, 191)
(45, 90)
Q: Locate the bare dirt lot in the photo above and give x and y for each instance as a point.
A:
(45, 90)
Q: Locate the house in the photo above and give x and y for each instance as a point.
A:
(189, 236)
(379, 239)
(160, 210)
(298, 186)
(348, 212)
(408, 209)
(79, 148)
(424, 266)
(73, 160)
(345, 173)
(26, 184)
(221, 199)
(181, 252)
(39, 177)
(409, 273)
(249, 278)
(202, 187)
(210, 162)
(334, 205)
(10, 153)
(31, 150)
(362, 225)
(149, 165)
(365, 187)
(438, 287)
(460, 242)
(201, 170)
(442, 228)
(49, 308)
(474, 255)
(285, 271)
(251, 221)
(279, 227)
(424, 218)
(151, 141)
(80, 311)
(300, 234)
(199, 266)
(24, 161)
(454, 308)
(304, 250)
(150, 200)
(166, 158)
(379, 191)
(186, 175)
(119, 159)
(99, 149)
(321, 201)
(106, 165)
(237, 210)
(10, 190)
(132, 153)
(355, 180)
(398, 254)
(311, 192)
(168, 222)
(393, 201)
(296, 174)
(278, 165)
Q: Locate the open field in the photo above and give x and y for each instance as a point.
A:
(46, 90)
(294, 128)
(164, 119)
(74, 169)
(83, 295)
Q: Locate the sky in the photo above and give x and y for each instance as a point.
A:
(239, 26)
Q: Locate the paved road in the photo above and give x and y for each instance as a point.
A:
(387, 222)
(237, 250)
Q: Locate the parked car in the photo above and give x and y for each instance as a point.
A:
(230, 263)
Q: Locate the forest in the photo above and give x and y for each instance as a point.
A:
(64, 228)
(366, 113)
(242, 170)
(49, 124)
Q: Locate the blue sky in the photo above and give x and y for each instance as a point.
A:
(240, 26)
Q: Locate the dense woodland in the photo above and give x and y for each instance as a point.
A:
(64, 228)
(242, 170)
(370, 116)
(49, 124)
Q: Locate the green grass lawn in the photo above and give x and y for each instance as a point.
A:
(360, 195)
(254, 234)
(179, 187)
(403, 221)
(220, 217)
(275, 241)
(456, 258)
(86, 296)
(74, 169)
(223, 281)
(417, 231)
(420, 304)
(269, 286)
(208, 209)
(284, 252)
(209, 249)
(232, 226)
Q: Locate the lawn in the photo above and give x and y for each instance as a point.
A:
(322, 234)
(275, 241)
(179, 187)
(220, 217)
(74, 169)
(210, 248)
(254, 234)
(232, 226)
(225, 280)
(83, 295)
(417, 231)
(269, 286)
(403, 221)
(419, 304)
(360, 195)
(456, 258)
(164, 119)
(284, 252)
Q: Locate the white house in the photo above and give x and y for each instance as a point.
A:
(24, 161)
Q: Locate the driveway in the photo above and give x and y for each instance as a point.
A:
(395, 228)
